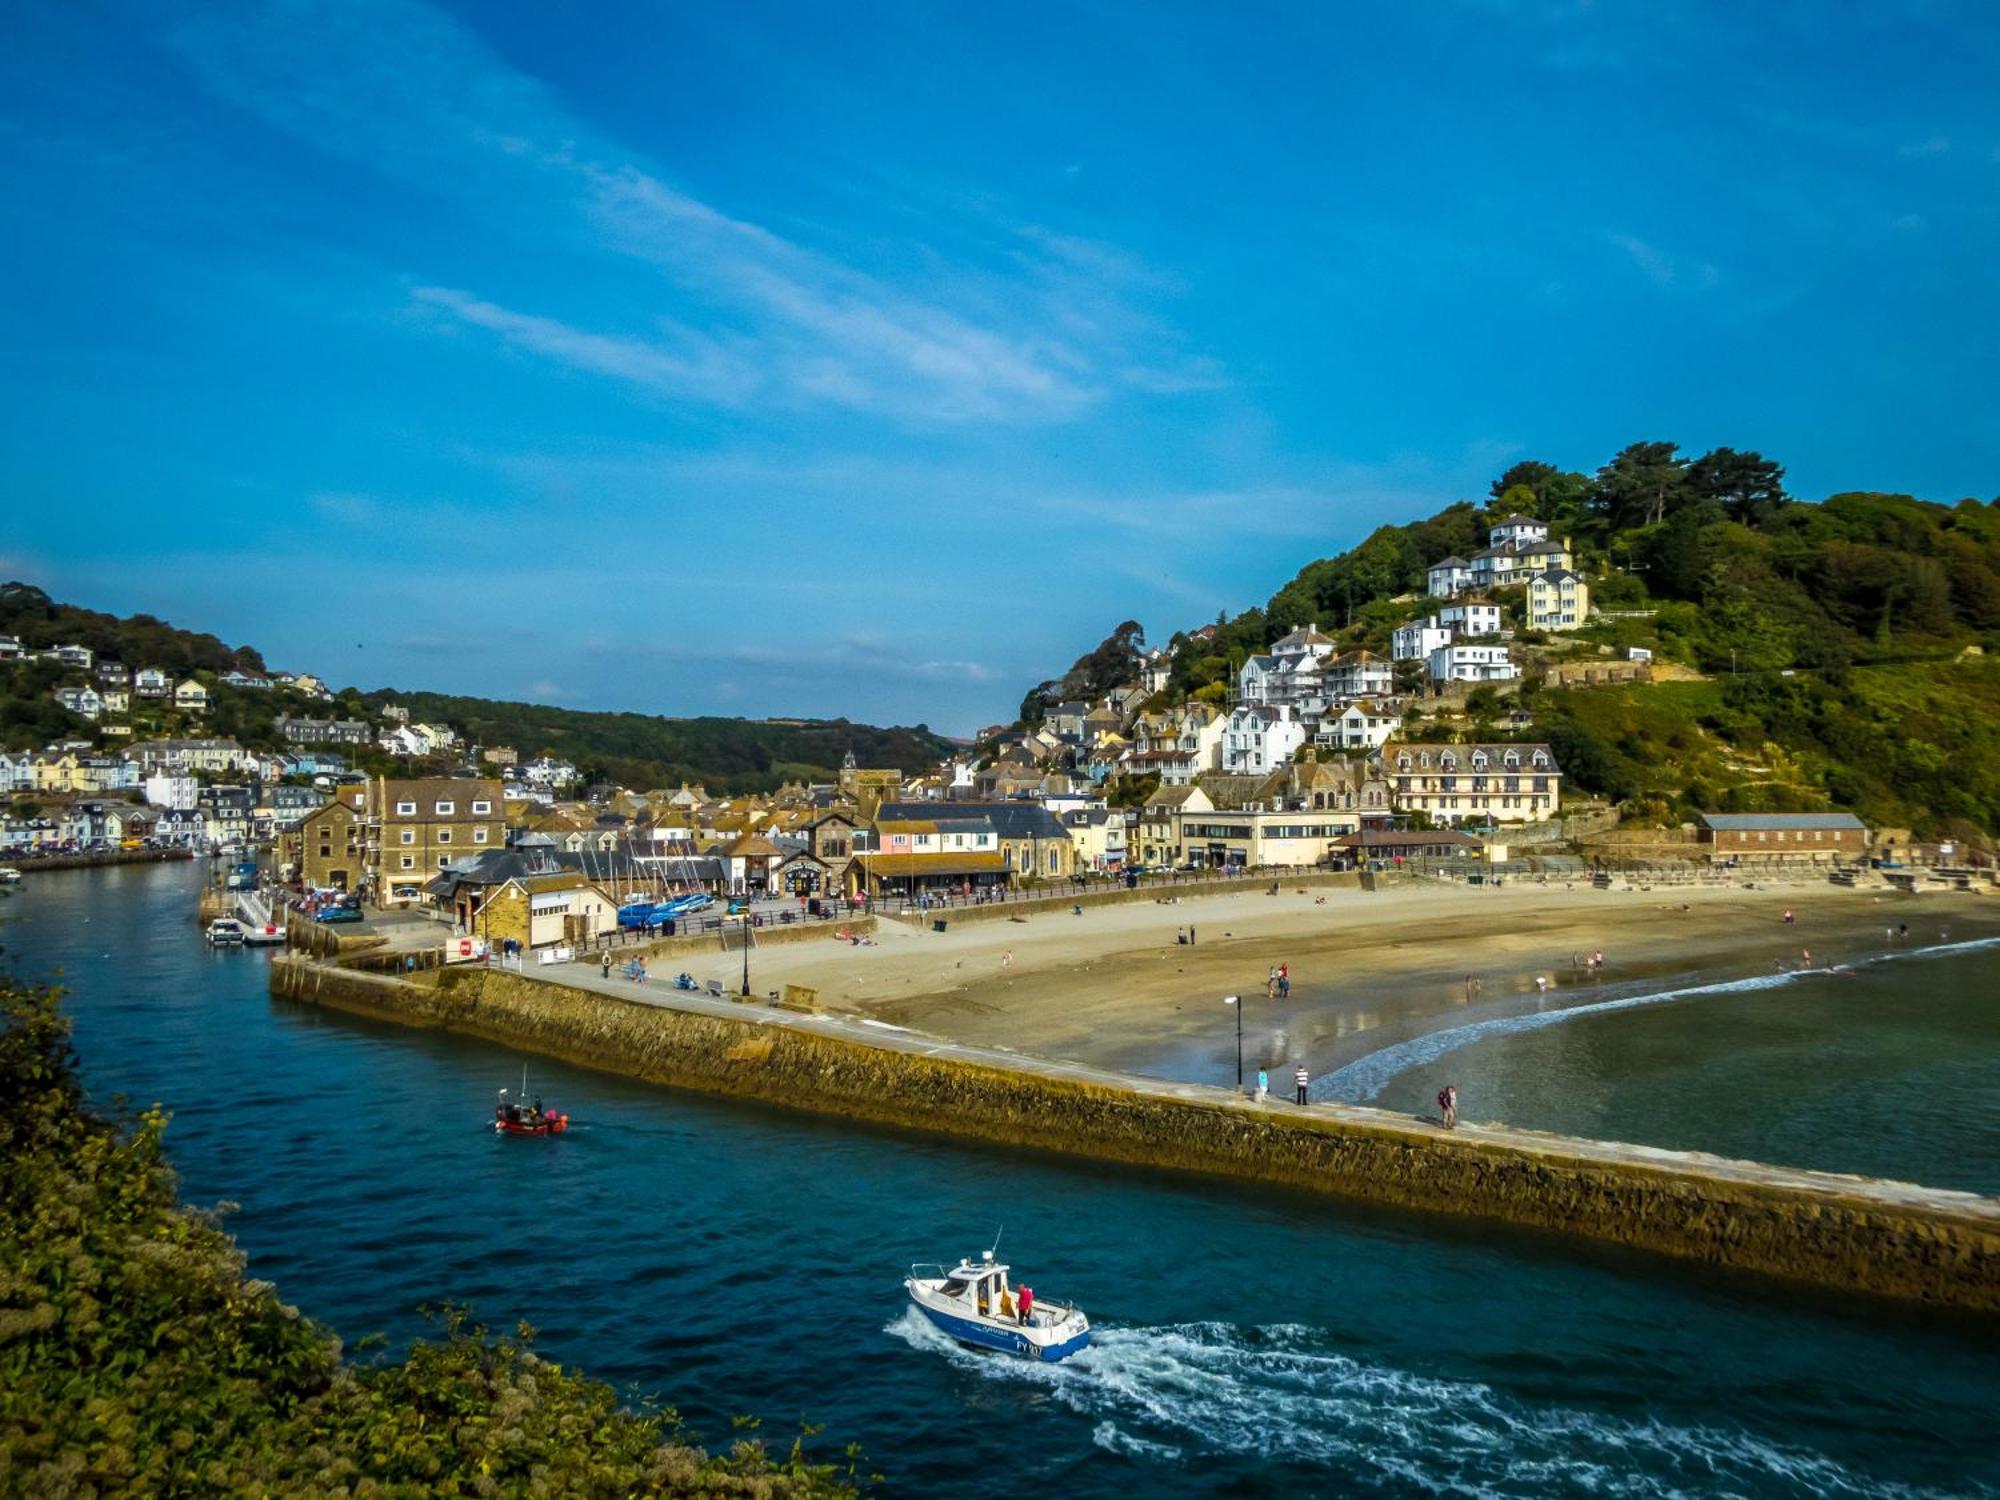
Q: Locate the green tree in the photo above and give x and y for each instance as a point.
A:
(1641, 484)
(1750, 486)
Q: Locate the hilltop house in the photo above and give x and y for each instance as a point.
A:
(1557, 600)
(1418, 639)
(84, 700)
(191, 697)
(1448, 577)
(151, 682)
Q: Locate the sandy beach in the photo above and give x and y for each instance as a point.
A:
(1114, 988)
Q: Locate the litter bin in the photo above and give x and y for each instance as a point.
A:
(667, 928)
(937, 925)
(812, 905)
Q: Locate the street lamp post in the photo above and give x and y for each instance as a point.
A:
(1237, 1001)
(746, 954)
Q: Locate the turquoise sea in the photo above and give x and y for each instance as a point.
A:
(734, 1259)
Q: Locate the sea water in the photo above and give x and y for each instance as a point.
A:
(1888, 1067)
(733, 1260)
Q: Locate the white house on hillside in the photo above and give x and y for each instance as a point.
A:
(1356, 728)
(1418, 639)
(1449, 577)
(1474, 617)
(1461, 663)
(1257, 740)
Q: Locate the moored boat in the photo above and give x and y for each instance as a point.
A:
(225, 932)
(263, 934)
(973, 1304)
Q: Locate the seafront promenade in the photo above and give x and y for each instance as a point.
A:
(1845, 1233)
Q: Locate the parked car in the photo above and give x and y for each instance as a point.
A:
(338, 914)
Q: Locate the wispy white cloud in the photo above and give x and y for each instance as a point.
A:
(408, 91)
(1936, 145)
(696, 366)
(1662, 267)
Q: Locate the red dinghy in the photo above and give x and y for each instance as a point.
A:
(513, 1118)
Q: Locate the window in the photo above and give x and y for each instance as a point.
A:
(446, 809)
(406, 809)
(409, 861)
(479, 835)
(444, 836)
(409, 835)
(481, 809)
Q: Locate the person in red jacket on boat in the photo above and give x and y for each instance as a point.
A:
(1026, 1302)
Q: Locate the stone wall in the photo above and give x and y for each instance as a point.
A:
(1847, 1233)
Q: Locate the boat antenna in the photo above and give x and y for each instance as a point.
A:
(995, 1251)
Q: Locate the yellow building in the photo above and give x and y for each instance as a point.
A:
(540, 911)
(1557, 600)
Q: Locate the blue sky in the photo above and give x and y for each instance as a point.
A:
(877, 359)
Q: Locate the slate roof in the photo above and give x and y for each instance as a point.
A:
(1789, 822)
(1010, 820)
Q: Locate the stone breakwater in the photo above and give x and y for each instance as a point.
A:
(1846, 1233)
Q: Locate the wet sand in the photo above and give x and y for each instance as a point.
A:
(1112, 988)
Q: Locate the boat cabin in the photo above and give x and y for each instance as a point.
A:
(981, 1286)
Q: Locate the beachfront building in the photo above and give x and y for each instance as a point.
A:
(1099, 836)
(1453, 784)
(1032, 841)
(1155, 841)
(1260, 837)
(1558, 600)
(911, 850)
(1826, 836)
(1462, 663)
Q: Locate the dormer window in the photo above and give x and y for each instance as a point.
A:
(1479, 760)
(1511, 760)
(446, 809)
(1541, 759)
(406, 809)
(1447, 762)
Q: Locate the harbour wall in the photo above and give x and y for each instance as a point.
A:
(29, 864)
(1849, 1234)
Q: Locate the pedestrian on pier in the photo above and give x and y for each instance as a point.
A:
(604, 962)
(1448, 1106)
(1302, 1078)
(1263, 1085)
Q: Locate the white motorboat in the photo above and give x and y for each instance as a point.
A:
(263, 934)
(8, 874)
(224, 931)
(973, 1304)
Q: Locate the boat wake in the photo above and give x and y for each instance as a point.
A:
(1285, 1391)
(1366, 1077)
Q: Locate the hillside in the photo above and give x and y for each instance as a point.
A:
(637, 750)
(1843, 636)
(136, 1359)
(640, 750)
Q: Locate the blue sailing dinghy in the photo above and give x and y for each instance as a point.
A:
(974, 1305)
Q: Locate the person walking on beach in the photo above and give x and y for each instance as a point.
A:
(1448, 1106)
(1302, 1078)
(1541, 984)
(604, 963)
(1190, 934)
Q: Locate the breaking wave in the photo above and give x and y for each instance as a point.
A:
(1366, 1077)
(1286, 1392)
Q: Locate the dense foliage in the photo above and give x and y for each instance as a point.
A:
(1113, 662)
(640, 750)
(136, 640)
(135, 1359)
